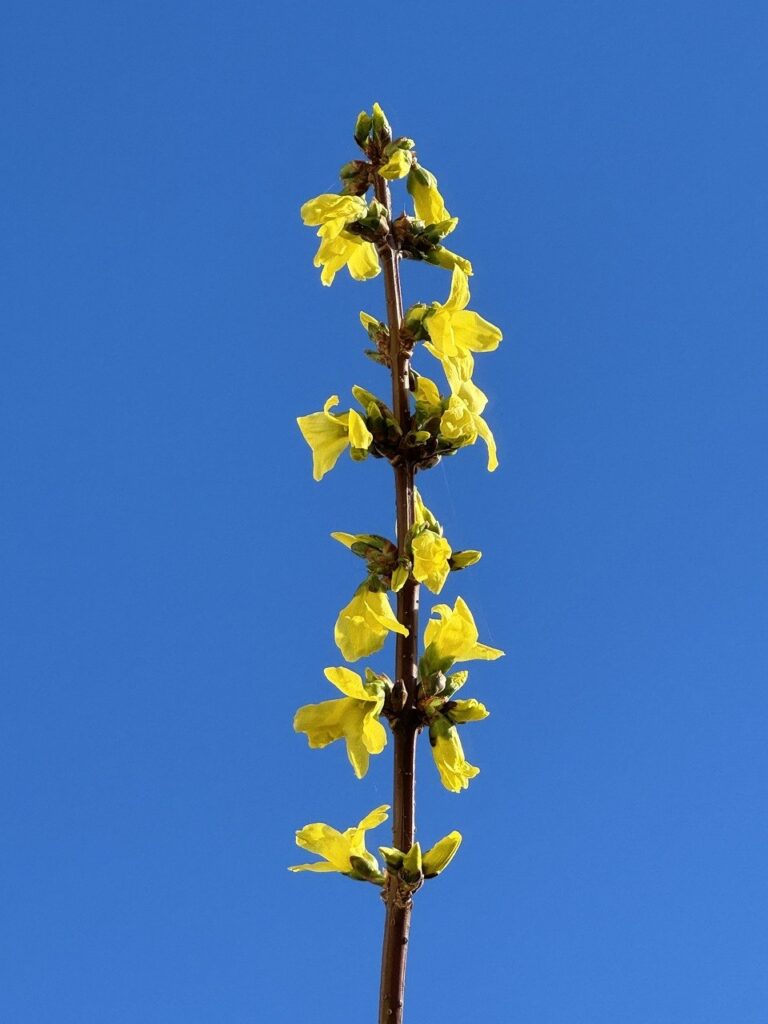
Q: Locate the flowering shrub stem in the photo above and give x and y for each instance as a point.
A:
(404, 722)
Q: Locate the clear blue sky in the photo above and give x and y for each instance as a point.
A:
(168, 583)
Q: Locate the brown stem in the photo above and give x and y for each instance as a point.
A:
(404, 725)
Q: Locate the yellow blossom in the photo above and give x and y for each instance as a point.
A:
(427, 201)
(455, 330)
(448, 753)
(354, 717)
(339, 248)
(463, 415)
(328, 434)
(362, 626)
(430, 560)
(454, 635)
(457, 422)
(462, 419)
(344, 852)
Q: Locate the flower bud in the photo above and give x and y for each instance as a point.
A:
(463, 559)
(411, 869)
(365, 868)
(399, 578)
(381, 127)
(392, 857)
(363, 127)
(440, 856)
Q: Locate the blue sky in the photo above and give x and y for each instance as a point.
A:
(169, 586)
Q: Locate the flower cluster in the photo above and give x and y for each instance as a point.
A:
(354, 231)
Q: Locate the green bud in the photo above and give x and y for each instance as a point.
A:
(363, 127)
(436, 232)
(433, 687)
(366, 869)
(414, 320)
(381, 126)
(358, 454)
(411, 869)
(393, 857)
(463, 559)
(377, 210)
(401, 143)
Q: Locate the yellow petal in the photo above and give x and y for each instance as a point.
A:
(376, 817)
(330, 206)
(459, 294)
(363, 261)
(322, 723)
(327, 842)
(430, 560)
(472, 332)
(347, 539)
(320, 866)
(484, 431)
(397, 166)
(379, 609)
(359, 435)
(326, 435)
(349, 682)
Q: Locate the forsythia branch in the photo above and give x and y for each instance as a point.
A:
(421, 426)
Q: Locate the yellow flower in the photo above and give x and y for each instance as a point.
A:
(454, 635)
(354, 717)
(362, 626)
(339, 248)
(328, 435)
(448, 753)
(344, 852)
(455, 330)
(398, 165)
(462, 419)
(427, 201)
(457, 422)
(430, 560)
